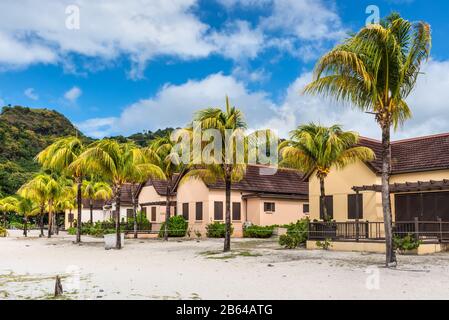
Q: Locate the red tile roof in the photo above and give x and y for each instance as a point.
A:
(411, 155)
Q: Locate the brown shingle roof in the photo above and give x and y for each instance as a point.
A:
(161, 185)
(264, 180)
(97, 204)
(411, 155)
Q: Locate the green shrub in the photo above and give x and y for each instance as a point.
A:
(296, 234)
(217, 230)
(406, 243)
(99, 229)
(177, 227)
(325, 245)
(258, 231)
(3, 232)
(142, 222)
(288, 241)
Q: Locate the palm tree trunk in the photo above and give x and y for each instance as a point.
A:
(79, 205)
(386, 202)
(25, 225)
(227, 242)
(42, 222)
(167, 212)
(50, 221)
(323, 199)
(117, 220)
(133, 196)
(91, 207)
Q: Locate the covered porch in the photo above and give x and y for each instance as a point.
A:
(421, 209)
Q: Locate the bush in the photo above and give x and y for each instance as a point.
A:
(406, 243)
(99, 229)
(142, 222)
(258, 231)
(296, 234)
(3, 232)
(325, 245)
(177, 227)
(288, 241)
(217, 230)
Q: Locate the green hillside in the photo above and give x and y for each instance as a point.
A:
(24, 132)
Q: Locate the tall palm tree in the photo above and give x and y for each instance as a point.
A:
(118, 163)
(376, 70)
(95, 190)
(230, 124)
(61, 156)
(163, 154)
(315, 148)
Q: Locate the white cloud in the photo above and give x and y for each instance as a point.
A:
(30, 93)
(2, 102)
(139, 29)
(238, 41)
(305, 19)
(174, 106)
(145, 29)
(73, 94)
(17, 51)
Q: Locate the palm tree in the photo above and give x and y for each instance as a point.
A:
(25, 207)
(230, 124)
(61, 156)
(44, 190)
(163, 154)
(36, 189)
(315, 148)
(376, 70)
(8, 204)
(94, 190)
(118, 163)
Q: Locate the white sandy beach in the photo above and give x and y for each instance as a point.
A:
(258, 269)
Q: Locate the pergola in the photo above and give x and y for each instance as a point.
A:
(430, 185)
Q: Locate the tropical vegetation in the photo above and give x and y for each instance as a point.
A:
(316, 149)
(375, 70)
(223, 166)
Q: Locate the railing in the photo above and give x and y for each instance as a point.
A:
(375, 231)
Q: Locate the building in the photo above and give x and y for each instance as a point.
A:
(419, 187)
(266, 196)
(103, 210)
(419, 183)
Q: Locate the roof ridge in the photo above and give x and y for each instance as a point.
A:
(369, 139)
(421, 138)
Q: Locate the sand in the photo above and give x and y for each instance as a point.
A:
(187, 269)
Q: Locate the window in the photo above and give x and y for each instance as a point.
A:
(71, 217)
(199, 211)
(144, 211)
(129, 213)
(305, 208)
(269, 207)
(236, 211)
(353, 201)
(329, 202)
(185, 211)
(153, 214)
(218, 210)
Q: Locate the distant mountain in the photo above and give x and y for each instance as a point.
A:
(24, 132)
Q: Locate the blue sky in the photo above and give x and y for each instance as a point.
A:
(132, 67)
